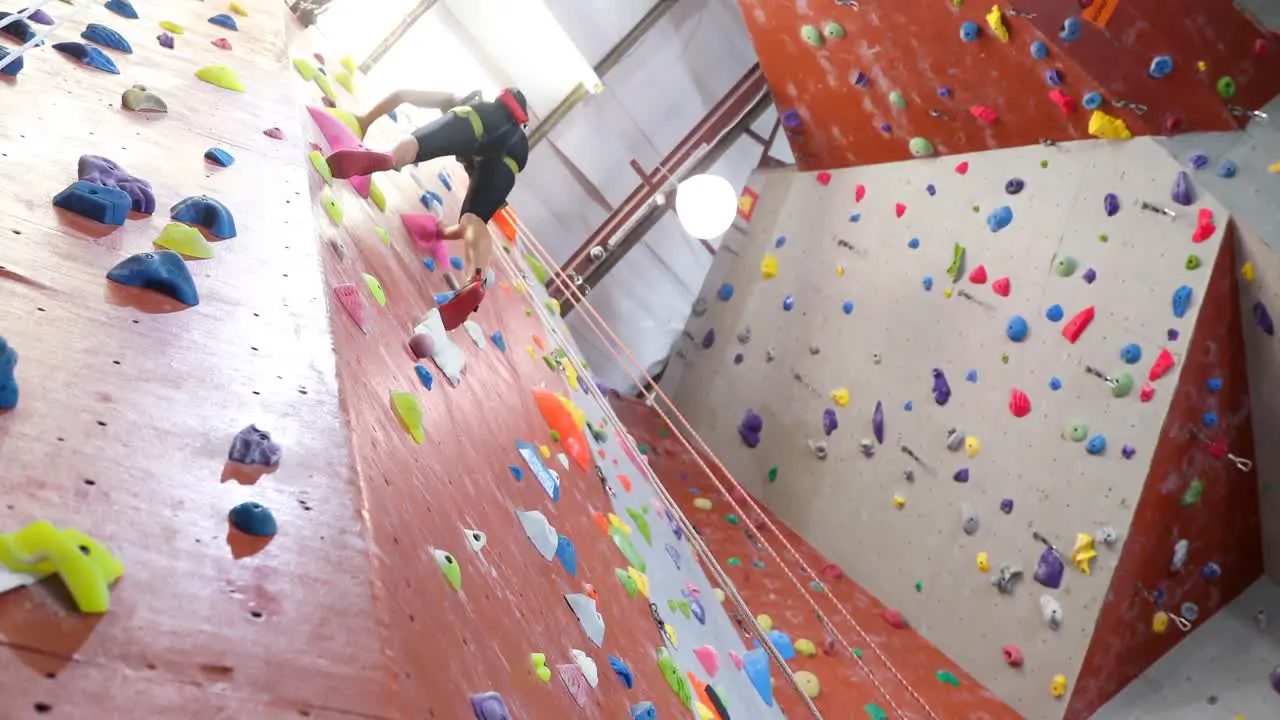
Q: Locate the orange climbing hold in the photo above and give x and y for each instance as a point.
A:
(567, 420)
(601, 522)
(537, 340)
(626, 482)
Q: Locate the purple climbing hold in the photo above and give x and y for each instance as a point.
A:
(253, 446)
(674, 554)
(859, 79)
(1111, 203)
(1275, 679)
(709, 339)
(941, 389)
(101, 171)
(40, 17)
(1089, 276)
(944, 92)
(931, 189)
(490, 706)
(1181, 192)
(961, 475)
(829, 421)
(698, 611)
(886, 128)
(1263, 318)
(166, 40)
(1172, 334)
(1049, 569)
(738, 358)
(1198, 160)
(877, 422)
(1014, 186)
(750, 428)
(791, 120)
(1006, 506)
(1128, 452)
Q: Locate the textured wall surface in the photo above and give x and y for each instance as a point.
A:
(838, 249)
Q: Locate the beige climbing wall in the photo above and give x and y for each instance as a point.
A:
(899, 331)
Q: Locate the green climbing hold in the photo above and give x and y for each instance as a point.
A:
(811, 35)
(386, 239)
(628, 582)
(642, 524)
(551, 364)
(628, 549)
(684, 608)
(731, 519)
(920, 147)
(663, 433)
(375, 289)
(331, 207)
(1103, 237)
(555, 436)
(1227, 86)
(675, 679)
(375, 194)
(734, 561)
(773, 474)
(1193, 262)
(321, 165)
(1044, 163)
(1123, 385)
(221, 76)
(1078, 431)
(857, 653)
(897, 100)
(1194, 492)
(644, 449)
(957, 262)
(949, 678)
(833, 30)
(449, 566)
(977, 209)
(919, 586)
(875, 712)
(815, 586)
(1064, 266)
(1004, 358)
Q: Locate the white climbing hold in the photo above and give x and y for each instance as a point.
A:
(564, 460)
(588, 616)
(540, 532)
(709, 658)
(445, 353)
(475, 539)
(588, 666)
(1051, 610)
(1179, 555)
(475, 331)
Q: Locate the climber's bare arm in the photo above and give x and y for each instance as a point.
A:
(419, 98)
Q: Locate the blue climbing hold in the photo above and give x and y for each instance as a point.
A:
(786, 649)
(456, 263)
(1181, 301)
(848, 307)
(499, 341)
(782, 240)
(907, 406)
(1039, 50)
(725, 292)
(755, 664)
(1215, 384)
(106, 37)
(1054, 313)
(855, 217)
(970, 31)
(1017, 328)
(788, 302)
(1096, 445)
(516, 472)
(432, 201)
(1000, 218)
(1070, 30)
(1211, 571)
(392, 114)
(931, 189)
(1227, 169)
(913, 243)
(219, 157)
(1091, 100)
(1209, 419)
(567, 555)
(971, 376)
(8, 383)
(320, 69)
(1131, 353)
(944, 92)
(928, 283)
(123, 8)
(429, 263)
(622, 671)
(225, 21)
(109, 206)
(253, 518)
(1161, 66)
(1055, 384)
(444, 297)
(163, 271)
(17, 28)
(425, 376)
(13, 67)
(205, 212)
(443, 177)
(1053, 76)
(88, 55)
(644, 711)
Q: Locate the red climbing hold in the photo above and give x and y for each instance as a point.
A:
(984, 113)
(895, 619)
(1147, 392)
(978, 275)
(1013, 655)
(962, 168)
(1065, 102)
(824, 178)
(349, 299)
(1261, 48)
(900, 209)
(1000, 287)
(1019, 403)
(460, 307)
(831, 571)
(1205, 228)
(1173, 124)
(1162, 365)
(859, 193)
(1076, 326)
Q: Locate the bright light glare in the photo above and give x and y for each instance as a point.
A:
(706, 205)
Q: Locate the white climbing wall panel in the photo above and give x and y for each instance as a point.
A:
(899, 331)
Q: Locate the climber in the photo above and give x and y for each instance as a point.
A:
(489, 140)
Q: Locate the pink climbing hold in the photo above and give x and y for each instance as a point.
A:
(1065, 102)
(1019, 403)
(859, 193)
(1076, 326)
(900, 209)
(978, 275)
(340, 137)
(984, 113)
(824, 178)
(1205, 227)
(274, 133)
(832, 571)
(319, 58)
(1162, 365)
(895, 619)
(962, 168)
(1147, 392)
(424, 228)
(223, 43)
(709, 658)
(350, 300)
(1001, 287)
(736, 658)
(1013, 655)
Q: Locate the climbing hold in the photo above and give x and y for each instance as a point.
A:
(818, 448)
(1193, 262)
(927, 282)
(224, 21)
(957, 262)
(17, 28)
(274, 133)
(1058, 687)
(1048, 572)
(1070, 30)
(184, 240)
(1105, 126)
(621, 669)
(769, 266)
(1091, 101)
(1055, 384)
(1182, 192)
(1014, 186)
(1262, 318)
(1051, 610)
(995, 19)
(1019, 403)
(221, 43)
(931, 189)
(725, 292)
(1209, 419)
(999, 218)
(1089, 276)
(702, 503)
(919, 147)
(1161, 66)
(1006, 506)
(539, 662)
(567, 555)
(450, 567)
(877, 423)
(1197, 161)
(840, 396)
(1194, 491)
(788, 303)
(971, 376)
(1111, 204)
(875, 712)
(139, 99)
(962, 167)
(12, 67)
(253, 519)
(221, 76)
(1000, 286)
(750, 427)
(123, 8)
(207, 213)
(961, 475)
(164, 272)
(375, 289)
(643, 711)
(1131, 353)
(811, 35)
(970, 31)
(1227, 86)
(88, 55)
(833, 30)
(1064, 266)
(1016, 329)
(8, 383)
(1227, 169)
(969, 521)
(1180, 550)
(1053, 76)
(103, 172)
(1096, 445)
(895, 620)
(829, 422)
(1211, 571)
(106, 205)
(106, 37)
(406, 407)
(1205, 227)
(941, 388)
(1077, 431)
(1122, 385)
(1076, 326)
(1013, 656)
(896, 99)
(165, 40)
(1039, 50)
(239, 10)
(1181, 301)
(947, 677)
(978, 275)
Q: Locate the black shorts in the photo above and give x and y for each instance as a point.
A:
(492, 172)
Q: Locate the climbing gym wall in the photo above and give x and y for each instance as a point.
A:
(1000, 391)
(866, 82)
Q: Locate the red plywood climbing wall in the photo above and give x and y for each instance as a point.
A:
(761, 582)
(841, 91)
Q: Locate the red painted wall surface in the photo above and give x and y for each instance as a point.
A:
(845, 687)
(914, 47)
(1223, 527)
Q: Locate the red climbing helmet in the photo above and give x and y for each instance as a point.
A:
(513, 100)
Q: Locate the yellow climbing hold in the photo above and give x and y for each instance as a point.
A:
(321, 165)
(1246, 271)
(769, 266)
(347, 64)
(1083, 552)
(1274, 167)
(719, 595)
(947, 293)
(375, 194)
(1202, 65)
(553, 305)
(172, 27)
(899, 501)
(305, 69)
(839, 271)
(86, 567)
(529, 349)
(972, 446)
(410, 413)
(238, 9)
(984, 565)
(702, 503)
(1058, 687)
(840, 396)
(222, 76)
(616, 522)
(539, 662)
(808, 682)
(349, 119)
(331, 207)
(703, 712)
(806, 647)
(1160, 622)
(322, 82)
(571, 375)
(375, 289)
(765, 622)
(544, 451)
(671, 633)
(184, 240)
(641, 580)
(344, 79)
(995, 19)
(1105, 126)
(386, 239)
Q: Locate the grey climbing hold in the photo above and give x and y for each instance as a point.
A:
(1106, 535)
(814, 349)
(1051, 611)
(139, 99)
(818, 448)
(700, 306)
(969, 521)
(770, 355)
(955, 439)
(866, 447)
(1180, 550)
(253, 446)
(744, 335)
(1007, 579)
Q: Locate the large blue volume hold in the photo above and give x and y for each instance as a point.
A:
(109, 206)
(253, 519)
(123, 8)
(219, 157)
(88, 55)
(106, 37)
(8, 384)
(207, 213)
(163, 271)
(14, 67)
(18, 29)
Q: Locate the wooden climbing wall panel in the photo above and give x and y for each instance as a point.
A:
(915, 48)
(845, 685)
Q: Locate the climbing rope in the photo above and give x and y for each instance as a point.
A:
(22, 49)
(593, 319)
